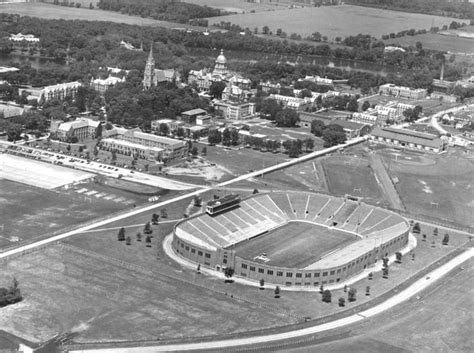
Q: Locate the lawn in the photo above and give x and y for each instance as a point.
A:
(335, 21)
(294, 245)
(65, 288)
(352, 174)
(439, 186)
(29, 212)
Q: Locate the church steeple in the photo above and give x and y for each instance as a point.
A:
(149, 75)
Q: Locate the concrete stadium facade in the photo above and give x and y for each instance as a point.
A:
(213, 242)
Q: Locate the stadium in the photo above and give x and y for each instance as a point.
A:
(290, 239)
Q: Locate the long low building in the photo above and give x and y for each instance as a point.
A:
(408, 139)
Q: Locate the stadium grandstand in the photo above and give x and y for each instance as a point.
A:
(291, 239)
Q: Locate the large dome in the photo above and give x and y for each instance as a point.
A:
(221, 58)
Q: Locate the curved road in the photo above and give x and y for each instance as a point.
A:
(399, 298)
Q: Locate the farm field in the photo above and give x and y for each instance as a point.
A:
(238, 6)
(296, 244)
(434, 41)
(436, 186)
(335, 21)
(52, 12)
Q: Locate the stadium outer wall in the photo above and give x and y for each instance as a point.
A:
(220, 258)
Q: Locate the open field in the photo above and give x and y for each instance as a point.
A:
(335, 21)
(352, 174)
(66, 289)
(53, 12)
(238, 6)
(435, 41)
(296, 244)
(39, 174)
(437, 186)
(438, 322)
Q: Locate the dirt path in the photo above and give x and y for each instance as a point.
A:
(385, 182)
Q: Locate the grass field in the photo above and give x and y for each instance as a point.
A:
(334, 21)
(446, 181)
(52, 12)
(67, 289)
(437, 42)
(352, 175)
(294, 245)
(238, 6)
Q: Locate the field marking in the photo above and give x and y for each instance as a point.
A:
(306, 207)
(360, 224)
(291, 205)
(350, 216)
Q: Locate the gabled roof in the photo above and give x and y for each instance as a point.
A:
(408, 136)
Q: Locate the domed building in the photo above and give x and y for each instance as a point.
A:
(221, 64)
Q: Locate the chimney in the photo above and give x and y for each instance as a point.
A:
(441, 76)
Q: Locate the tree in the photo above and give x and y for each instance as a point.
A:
(262, 284)
(423, 237)
(270, 108)
(435, 231)
(353, 105)
(228, 272)
(317, 128)
(164, 129)
(277, 292)
(121, 234)
(194, 151)
(365, 106)
(148, 241)
(287, 118)
(147, 229)
(154, 218)
(385, 261)
(139, 236)
(128, 241)
(327, 296)
(416, 228)
(351, 295)
(255, 191)
(204, 151)
(309, 144)
(385, 272)
(445, 239)
(321, 288)
(198, 269)
(398, 255)
(216, 89)
(164, 213)
(68, 148)
(265, 30)
(333, 135)
(367, 290)
(197, 201)
(345, 288)
(214, 137)
(227, 137)
(371, 276)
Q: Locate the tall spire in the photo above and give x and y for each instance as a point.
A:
(149, 74)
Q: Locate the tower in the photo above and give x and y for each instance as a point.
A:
(149, 75)
(221, 64)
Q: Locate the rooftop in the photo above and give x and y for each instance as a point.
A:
(408, 136)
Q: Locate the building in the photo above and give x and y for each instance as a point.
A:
(204, 78)
(318, 80)
(235, 110)
(409, 139)
(152, 76)
(391, 49)
(129, 46)
(230, 238)
(60, 91)
(102, 85)
(390, 89)
(29, 38)
(8, 110)
(367, 118)
(82, 129)
(189, 116)
(295, 103)
(147, 143)
(451, 98)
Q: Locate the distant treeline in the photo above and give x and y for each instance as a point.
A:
(430, 7)
(164, 10)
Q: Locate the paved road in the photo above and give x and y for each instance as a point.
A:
(399, 298)
(134, 212)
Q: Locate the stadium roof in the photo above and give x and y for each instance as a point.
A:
(408, 136)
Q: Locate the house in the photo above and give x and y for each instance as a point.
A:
(189, 116)
(405, 138)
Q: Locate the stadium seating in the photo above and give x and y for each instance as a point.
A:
(299, 201)
(283, 202)
(388, 222)
(316, 202)
(343, 213)
(375, 217)
(328, 210)
(357, 217)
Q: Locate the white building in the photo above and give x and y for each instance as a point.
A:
(103, 85)
(24, 37)
(390, 89)
(60, 91)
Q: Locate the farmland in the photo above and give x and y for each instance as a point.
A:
(434, 41)
(335, 21)
(238, 6)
